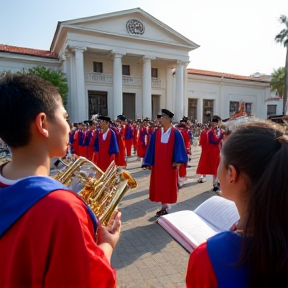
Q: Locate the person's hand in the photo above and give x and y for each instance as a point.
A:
(110, 234)
(176, 165)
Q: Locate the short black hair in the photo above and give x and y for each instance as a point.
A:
(22, 98)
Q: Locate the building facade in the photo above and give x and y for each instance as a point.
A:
(130, 63)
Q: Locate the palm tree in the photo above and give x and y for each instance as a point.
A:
(282, 38)
(277, 81)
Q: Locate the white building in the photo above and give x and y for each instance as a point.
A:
(130, 63)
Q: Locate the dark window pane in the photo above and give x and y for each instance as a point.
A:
(154, 72)
(125, 69)
(98, 67)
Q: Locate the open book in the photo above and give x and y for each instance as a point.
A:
(191, 228)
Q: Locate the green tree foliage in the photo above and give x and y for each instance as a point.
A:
(56, 77)
(282, 38)
(277, 81)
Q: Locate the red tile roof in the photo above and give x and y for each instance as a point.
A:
(27, 51)
(225, 75)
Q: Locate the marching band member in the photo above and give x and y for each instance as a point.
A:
(254, 176)
(166, 151)
(47, 233)
(105, 145)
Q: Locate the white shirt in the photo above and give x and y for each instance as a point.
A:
(104, 136)
(165, 135)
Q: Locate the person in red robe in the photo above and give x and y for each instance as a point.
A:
(212, 159)
(47, 233)
(91, 139)
(142, 140)
(203, 142)
(135, 132)
(82, 147)
(166, 151)
(183, 167)
(105, 145)
(254, 176)
(76, 137)
(128, 137)
(119, 157)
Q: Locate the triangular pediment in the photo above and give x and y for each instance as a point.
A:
(141, 26)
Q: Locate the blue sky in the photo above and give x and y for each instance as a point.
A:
(235, 36)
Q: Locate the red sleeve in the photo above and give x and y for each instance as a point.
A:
(200, 273)
(75, 257)
(54, 241)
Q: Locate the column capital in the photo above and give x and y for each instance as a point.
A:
(146, 58)
(117, 54)
(183, 63)
(78, 48)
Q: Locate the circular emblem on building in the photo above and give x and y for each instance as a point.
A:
(135, 27)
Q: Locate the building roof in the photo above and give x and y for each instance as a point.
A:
(27, 51)
(225, 75)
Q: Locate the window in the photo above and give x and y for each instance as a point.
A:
(208, 110)
(98, 67)
(154, 72)
(234, 107)
(125, 69)
(248, 107)
(192, 108)
(271, 110)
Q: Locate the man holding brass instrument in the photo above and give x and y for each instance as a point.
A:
(166, 151)
(47, 233)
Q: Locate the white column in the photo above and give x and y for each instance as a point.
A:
(169, 89)
(179, 91)
(185, 93)
(200, 110)
(81, 99)
(117, 84)
(66, 69)
(146, 86)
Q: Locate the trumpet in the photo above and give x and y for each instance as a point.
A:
(102, 191)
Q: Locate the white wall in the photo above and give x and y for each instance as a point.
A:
(222, 91)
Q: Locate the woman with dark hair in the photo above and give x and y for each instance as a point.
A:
(253, 174)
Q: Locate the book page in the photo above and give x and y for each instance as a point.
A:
(219, 212)
(191, 228)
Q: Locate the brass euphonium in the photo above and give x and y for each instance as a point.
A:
(102, 191)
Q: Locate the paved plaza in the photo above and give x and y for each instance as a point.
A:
(146, 255)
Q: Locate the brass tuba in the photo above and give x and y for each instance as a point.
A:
(102, 191)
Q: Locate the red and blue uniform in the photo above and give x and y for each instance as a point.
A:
(160, 157)
(105, 149)
(47, 238)
(215, 263)
(128, 137)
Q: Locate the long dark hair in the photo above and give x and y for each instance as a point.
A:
(260, 150)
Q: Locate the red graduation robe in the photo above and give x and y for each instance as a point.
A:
(103, 156)
(160, 157)
(53, 245)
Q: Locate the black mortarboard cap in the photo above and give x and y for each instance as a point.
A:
(167, 112)
(105, 118)
(215, 120)
(122, 117)
(217, 117)
(159, 116)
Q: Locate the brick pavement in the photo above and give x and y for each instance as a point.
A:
(146, 255)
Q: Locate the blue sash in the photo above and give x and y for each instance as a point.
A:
(16, 199)
(224, 250)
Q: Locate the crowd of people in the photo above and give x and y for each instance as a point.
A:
(49, 237)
